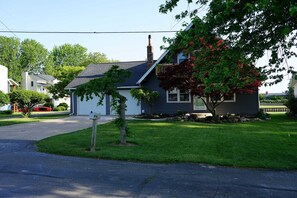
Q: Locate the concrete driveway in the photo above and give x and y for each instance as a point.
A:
(27, 173)
(47, 128)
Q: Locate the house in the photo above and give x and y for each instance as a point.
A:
(6, 84)
(144, 73)
(40, 83)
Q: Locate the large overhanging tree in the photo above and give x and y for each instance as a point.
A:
(251, 28)
(65, 74)
(107, 85)
(212, 72)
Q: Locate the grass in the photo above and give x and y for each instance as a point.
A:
(268, 144)
(18, 119)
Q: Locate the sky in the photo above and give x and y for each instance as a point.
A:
(96, 16)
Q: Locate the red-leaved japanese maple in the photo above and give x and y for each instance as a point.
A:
(212, 71)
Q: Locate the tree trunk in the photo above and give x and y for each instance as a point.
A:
(123, 120)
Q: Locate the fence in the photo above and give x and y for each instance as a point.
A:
(271, 109)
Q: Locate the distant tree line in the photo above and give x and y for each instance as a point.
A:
(31, 56)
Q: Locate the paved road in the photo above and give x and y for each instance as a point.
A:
(27, 173)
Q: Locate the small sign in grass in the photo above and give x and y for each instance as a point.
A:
(262, 144)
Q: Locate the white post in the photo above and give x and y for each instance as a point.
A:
(93, 139)
(94, 116)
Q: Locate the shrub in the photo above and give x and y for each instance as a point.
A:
(49, 104)
(4, 98)
(292, 102)
(63, 104)
(61, 108)
(6, 112)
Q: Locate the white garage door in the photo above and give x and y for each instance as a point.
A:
(133, 108)
(84, 107)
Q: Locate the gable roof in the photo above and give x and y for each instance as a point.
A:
(42, 79)
(137, 69)
(159, 60)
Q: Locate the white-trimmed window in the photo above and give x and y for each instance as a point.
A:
(198, 104)
(178, 96)
(230, 97)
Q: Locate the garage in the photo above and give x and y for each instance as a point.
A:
(84, 107)
(133, 108)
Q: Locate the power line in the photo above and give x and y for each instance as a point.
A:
(88, 32)
(8, 29)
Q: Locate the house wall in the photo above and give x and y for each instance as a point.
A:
(246, 104)
(4, 79)
(4, 86)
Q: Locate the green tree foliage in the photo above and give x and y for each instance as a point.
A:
(9, 55)
(26, 100)
(250, 27)
(144, 94)
(292, 102)
(65, 74)
(107, 85)
(4, 98)
(69, 55)
(33, 56)
(96, 58)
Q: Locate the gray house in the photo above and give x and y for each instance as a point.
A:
(144, 73)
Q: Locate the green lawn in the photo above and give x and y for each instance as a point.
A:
(18, 119)
(268, 144)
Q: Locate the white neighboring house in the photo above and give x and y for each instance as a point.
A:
(293, 84)
(40, 83)
(6, 84)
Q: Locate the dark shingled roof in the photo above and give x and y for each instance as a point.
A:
(137, 69)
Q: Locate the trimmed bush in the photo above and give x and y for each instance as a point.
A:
(61, 108)
(6, 112)
(63, 104)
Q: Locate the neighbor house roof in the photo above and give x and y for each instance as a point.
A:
(137, 69)
(43, 79)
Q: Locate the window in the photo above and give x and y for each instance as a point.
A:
(32, 83)
(181, 57)
(199, 104)
(230, 97)
(178, 96)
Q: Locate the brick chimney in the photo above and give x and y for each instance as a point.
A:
(150, 57)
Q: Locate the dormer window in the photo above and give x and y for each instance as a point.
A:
(181, 57)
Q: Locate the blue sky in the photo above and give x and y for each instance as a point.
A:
(96, 15)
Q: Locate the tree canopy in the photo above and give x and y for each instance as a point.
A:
(9, 56)
(251, 28)
(69, 55)
(65, 74)
(33, 56)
